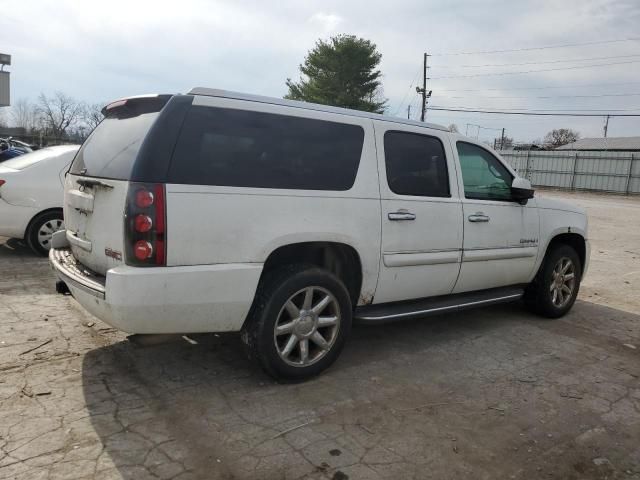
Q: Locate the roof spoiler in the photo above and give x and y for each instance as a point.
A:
(137, 105)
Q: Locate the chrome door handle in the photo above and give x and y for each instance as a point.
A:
(478, 217)
(400, 215)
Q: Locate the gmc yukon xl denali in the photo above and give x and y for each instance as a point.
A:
(285, 221)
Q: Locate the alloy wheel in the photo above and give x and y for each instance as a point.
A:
(307, 326)
(563, 282)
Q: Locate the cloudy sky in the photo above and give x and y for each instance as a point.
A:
(98, 51)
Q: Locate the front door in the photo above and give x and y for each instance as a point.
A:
(500, 235)
(421, 213)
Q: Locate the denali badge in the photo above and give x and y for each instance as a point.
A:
(113, 254)
(528, 240)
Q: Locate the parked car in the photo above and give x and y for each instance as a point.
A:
(9, 150)
(31, 195)
(19, 145)
(223, 212)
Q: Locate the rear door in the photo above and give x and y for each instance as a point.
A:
(421, 213)
(97, 183)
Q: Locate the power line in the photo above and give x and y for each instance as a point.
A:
(537, 48)
(563, 114)
(549, 96)
(562, 109)
(537, 88)
(567, 60)
(407, 92)
(535, 71)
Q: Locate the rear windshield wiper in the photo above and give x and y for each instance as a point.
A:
(88, 182)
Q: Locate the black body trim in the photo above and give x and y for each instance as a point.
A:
(389, 312)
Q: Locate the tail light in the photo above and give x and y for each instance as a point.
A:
(145, 225)
(2, 182)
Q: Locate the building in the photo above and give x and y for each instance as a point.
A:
(609, 144)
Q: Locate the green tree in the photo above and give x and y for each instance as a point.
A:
(341, 72)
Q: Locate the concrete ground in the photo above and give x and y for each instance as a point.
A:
(491, 393)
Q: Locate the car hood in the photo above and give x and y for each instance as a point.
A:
(553, 204)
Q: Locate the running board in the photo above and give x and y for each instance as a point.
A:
(389, 312)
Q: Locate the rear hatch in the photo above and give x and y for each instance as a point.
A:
(95, 189)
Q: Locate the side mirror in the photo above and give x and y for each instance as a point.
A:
(521, 190)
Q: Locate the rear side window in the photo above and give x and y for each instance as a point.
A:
(416, 165)
(241, 148)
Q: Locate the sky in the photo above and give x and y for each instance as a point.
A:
(100, 51)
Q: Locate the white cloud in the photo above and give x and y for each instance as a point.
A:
(327, 21)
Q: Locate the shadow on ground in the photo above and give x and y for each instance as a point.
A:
(16, 248)
(490, 393)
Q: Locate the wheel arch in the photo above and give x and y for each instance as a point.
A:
(40, 213)
(575, 240)
(339, 258)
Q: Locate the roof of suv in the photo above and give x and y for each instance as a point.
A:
(213, 92)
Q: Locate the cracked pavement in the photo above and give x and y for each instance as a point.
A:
(490, 393)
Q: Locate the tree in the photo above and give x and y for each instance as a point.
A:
(453, 128)
(24, 115)
(341, 72)
(92, 115)
(560, 136)
(59, 112)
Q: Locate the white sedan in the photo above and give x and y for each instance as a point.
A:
(31, 195)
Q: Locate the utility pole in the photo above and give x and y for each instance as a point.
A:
(502, 140)
(408, 112)
(606, 126)
(423, 90)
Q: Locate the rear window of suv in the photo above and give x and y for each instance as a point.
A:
(239, 148)
(111, 149)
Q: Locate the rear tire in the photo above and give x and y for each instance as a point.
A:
(299, 322)
(40, 230)
(555, 288)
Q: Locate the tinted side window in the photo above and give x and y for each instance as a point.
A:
(416, 165)
(484, 176)
(241, 148)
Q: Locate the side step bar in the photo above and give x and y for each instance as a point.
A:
(389, 312)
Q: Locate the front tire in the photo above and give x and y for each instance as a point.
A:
(299, 322)
(555, 288)
(41, 229)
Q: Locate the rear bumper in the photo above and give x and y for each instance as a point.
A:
(187, 299)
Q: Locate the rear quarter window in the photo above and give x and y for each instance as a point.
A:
(241, 148)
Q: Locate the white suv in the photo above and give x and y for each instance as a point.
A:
(223, 212)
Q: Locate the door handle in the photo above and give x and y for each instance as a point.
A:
(478, 217)
(401, 215)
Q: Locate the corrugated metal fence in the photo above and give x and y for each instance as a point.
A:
(602, 171)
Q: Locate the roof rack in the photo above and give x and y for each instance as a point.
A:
(213, 92)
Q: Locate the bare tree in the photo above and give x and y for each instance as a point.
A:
(453, 128)
(24, 114)
(59, 112)
(92, 115)
(560, 136)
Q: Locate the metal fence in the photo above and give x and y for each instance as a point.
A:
(617, 172)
